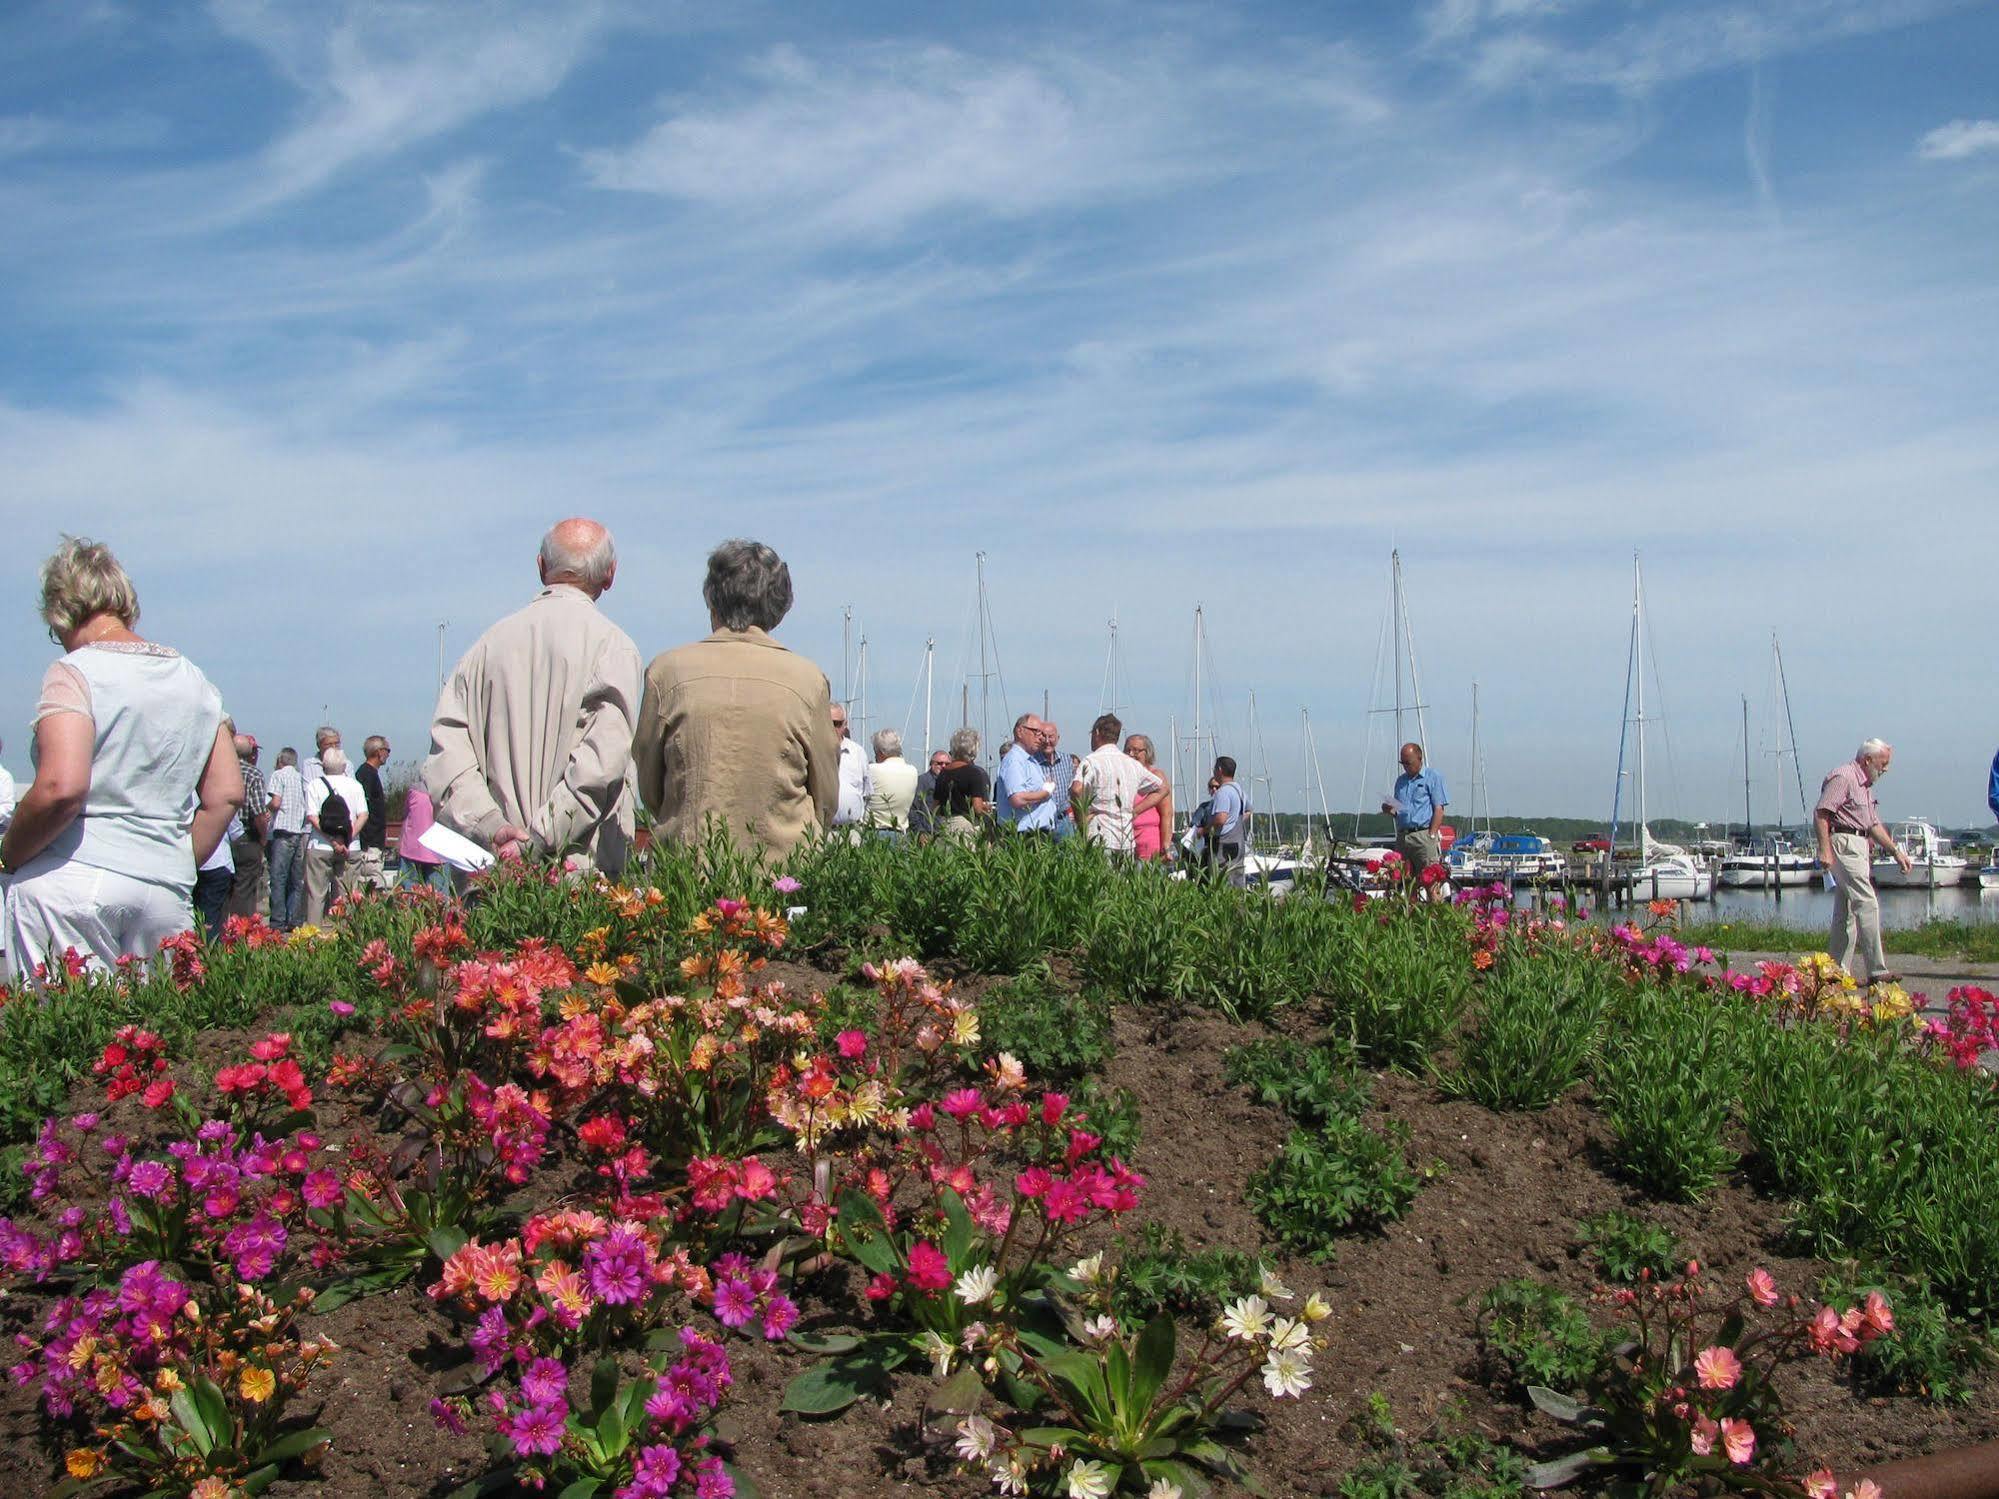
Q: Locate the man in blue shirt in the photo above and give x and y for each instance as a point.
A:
(1061, 769)
(1226, 827)
(1418, 806)
(1025, 795)
(1992, 788)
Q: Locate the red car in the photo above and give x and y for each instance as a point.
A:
(1596, 845)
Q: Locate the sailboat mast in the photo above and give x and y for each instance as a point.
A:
(1638, 637)
(985, 695)
(1173, 772)
(1791, 726)
(1197, 674)
(929, 682)
(1748, 821)
(1397, 621)
(1474, 757)
(846, 656)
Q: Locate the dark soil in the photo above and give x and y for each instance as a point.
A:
(1502, 1198)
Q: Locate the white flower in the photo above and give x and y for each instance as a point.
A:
(975, 1438)
(939, 1353)
(977, 1285)
(1246, 1319)
(1008, 1478)
(1163, 1489)
(1316, 1308)
(968, 1337)
(1271, 1286)
(1100, 1329)
(1088, 1480)
(1287, 1373)
(1288, 1332)
(1088, 1271)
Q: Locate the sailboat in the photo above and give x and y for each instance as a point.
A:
(1663, 871)
(1774, 859)
(1397, 651)
(1263, 865)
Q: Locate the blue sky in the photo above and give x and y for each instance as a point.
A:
(320, 313)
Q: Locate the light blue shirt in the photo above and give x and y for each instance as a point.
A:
(1418, 799)
(1020, 771)
(1228, 802)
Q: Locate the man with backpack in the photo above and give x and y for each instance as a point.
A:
(336, 809)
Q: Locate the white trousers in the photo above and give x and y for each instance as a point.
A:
(54, 906)
(1855, 943)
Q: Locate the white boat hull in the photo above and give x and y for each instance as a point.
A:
(1672, 879)
(1755, 874)
(1939, 876)
(1988, 878)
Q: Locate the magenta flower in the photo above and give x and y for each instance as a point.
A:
(149, 1178)
(784, 884)
(447, 1417)
(545, 1383)
(653, 1473)
(853, 1044)
(340, 1007)
(618, 1267)
(928, 1269)
(735, 1303)
(537, 1431)
(713, 1482)
(779, 1318)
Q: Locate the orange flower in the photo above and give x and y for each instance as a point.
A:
(1481, 959)
(256, 1385)
(603, 974)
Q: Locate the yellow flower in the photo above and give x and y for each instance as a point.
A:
(167, 1381)
(965, 1028)
(256, 1385)
(81, 1352)
(211, 1488)
(84, 1462)
(603, 974)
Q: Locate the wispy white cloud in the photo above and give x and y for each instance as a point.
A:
(379, 79)
(873, 142)
(1959, 139)
(1510, 45)
(22, 134)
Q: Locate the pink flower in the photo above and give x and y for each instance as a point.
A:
(1701, 1438)
(962, 1103)
(928, 1269)
(340, 1007)
(1867, 1488)
(1762, 1287)
(1739, 1437)
(1717, 1368)
(537, 1430)
(1876, 1320)
(1819, 1484)
(779, 1318)
(322, 1189)
(1828, 1336)
(880, 1287)
(784, 884)
(853, 1044)
(735, 1303)
(1033, 1182)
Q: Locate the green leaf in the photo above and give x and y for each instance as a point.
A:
(865, 1233)
(839, 1342)
(1562, 1407)
(1562, 1471)
(182, 1404)
(1154, 1362)
(822, 1390)
(958, 1232)
(603, 1386)
(959, 1393)
(446, 1240)
(583, 1488)
(298, 1443)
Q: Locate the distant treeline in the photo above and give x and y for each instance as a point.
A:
(1563, 831)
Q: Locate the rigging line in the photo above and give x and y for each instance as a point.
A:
(1665, 725)
(1623, 734)
(909, 716)
(1373, 697)
(1797, 768)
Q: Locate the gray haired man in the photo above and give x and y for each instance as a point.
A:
(889, 786)
(1848, 825)
(531, 746)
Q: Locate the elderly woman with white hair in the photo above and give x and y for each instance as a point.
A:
(889, 787)
(135, 781)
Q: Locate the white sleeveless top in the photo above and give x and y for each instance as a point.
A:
(155, 718)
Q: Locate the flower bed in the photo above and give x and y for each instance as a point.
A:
(640, 1189)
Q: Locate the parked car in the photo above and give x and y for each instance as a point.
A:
(1593, 845)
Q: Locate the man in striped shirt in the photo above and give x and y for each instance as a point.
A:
(1848, 824)
(287, 841)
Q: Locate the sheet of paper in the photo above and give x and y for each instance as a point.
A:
(455, 849)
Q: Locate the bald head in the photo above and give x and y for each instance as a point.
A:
(245, 746)
(579, 552)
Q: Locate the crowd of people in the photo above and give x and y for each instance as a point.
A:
(149, 805)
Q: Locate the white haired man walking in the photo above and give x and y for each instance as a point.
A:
(1848, 825)
(531, 746)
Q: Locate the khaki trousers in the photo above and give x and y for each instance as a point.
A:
(252, 893)
(1420, 847)
(1855, 943)
(326, 880)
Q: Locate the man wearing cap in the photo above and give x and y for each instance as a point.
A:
(251, 894)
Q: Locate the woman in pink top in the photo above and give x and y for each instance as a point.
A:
(420, 865)
(1152, 817)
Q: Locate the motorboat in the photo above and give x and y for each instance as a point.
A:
(1932, 863)
(1505, 856)
(1988, 877)
(1774, 861)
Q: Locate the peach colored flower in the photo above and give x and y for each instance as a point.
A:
(1819, 1484)
(1717, 1368)
(1701, 1438)
(1762, 1287)
(1867, 1488)
(1739, 1437)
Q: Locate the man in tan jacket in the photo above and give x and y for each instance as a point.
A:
(531, 748)
(736, 725)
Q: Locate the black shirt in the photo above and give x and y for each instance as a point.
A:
(957, 786)
(375, 831)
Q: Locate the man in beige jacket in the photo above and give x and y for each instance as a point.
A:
(531, 748)
(736, 725)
